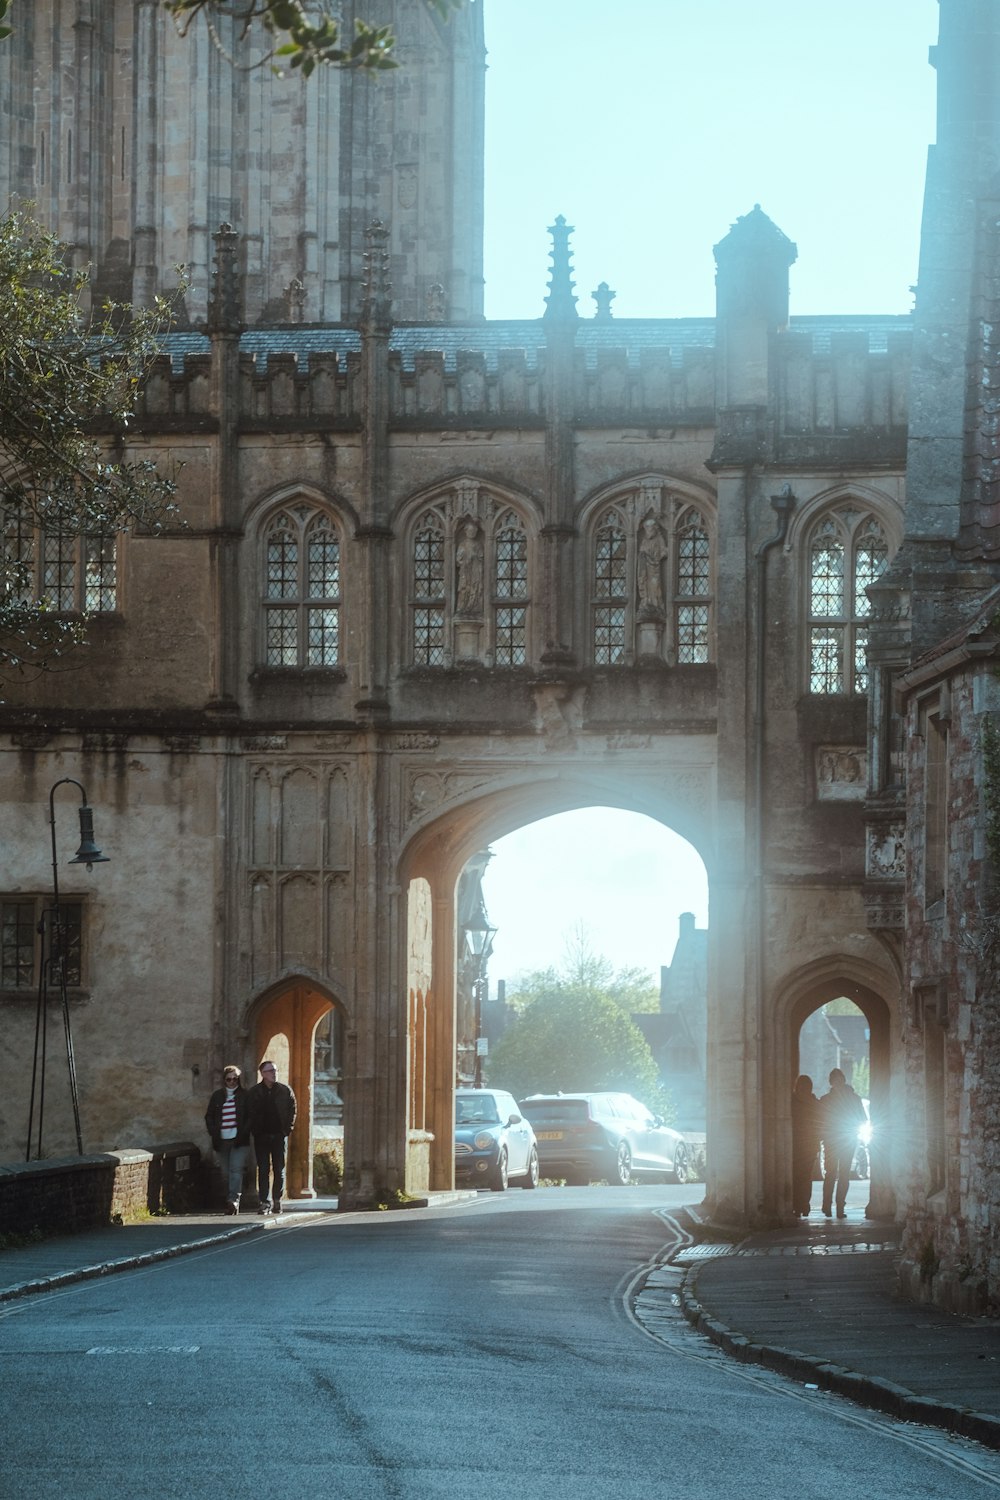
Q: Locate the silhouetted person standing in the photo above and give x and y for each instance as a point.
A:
(842, 1113)
(805, 1142)
(272, 1116)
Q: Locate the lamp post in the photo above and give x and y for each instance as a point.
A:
(481, 936)
(54, 954)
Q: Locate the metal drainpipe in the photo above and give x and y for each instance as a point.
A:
(783, 504)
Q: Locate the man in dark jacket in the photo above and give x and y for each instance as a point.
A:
(272, 1117)
(227, 1121)
(841, 1115)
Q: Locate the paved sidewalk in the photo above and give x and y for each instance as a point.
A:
(817, 1301)
(66, 1258)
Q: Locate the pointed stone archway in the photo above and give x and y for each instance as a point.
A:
(282, 1026)
(802, 996)
(430, 870)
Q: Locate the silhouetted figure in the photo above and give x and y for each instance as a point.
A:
(805, 1142)
(842, 1114)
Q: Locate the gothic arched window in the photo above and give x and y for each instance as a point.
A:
(610, 590)
(75, 575)
(651, 581)
(428, 593)
(302, 600)
(510, 590)
(847, 551)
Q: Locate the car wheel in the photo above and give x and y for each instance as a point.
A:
(499, 1183)
(680, 1172)
(622, 1174)
(531, 1179)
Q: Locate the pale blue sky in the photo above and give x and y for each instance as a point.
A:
(651, 125)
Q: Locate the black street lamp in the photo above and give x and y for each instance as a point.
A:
(481, 936)
(55, 956)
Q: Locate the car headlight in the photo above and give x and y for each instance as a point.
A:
(865, 1133)
(483, 1141)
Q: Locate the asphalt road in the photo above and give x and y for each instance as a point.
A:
(485, 1350)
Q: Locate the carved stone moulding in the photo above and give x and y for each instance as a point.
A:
(841, 773)
(98, 740)
(255, 744)
(31, 739)
(885, 850)
(885, 907)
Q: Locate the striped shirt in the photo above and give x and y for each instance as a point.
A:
(228, 1131)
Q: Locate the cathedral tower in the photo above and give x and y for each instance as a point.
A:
(134, 144)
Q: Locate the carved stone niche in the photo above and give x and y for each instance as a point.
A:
(841, 773)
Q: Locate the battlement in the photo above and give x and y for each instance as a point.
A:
(830, 379)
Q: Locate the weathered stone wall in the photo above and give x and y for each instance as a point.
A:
(142, 1022)
(950, 1247)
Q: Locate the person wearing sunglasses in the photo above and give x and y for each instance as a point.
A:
(227, 1121)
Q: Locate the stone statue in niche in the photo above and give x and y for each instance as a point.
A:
(469, 564)
(649, 567)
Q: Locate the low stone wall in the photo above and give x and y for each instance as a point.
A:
(86, 1192)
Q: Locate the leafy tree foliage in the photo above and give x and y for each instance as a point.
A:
(68, 382)
(302, 38)
(300, 35)
(575, 1038)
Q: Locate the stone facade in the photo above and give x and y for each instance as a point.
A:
(436, 580)
(932, 809)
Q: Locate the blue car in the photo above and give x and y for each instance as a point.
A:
(494, 1143)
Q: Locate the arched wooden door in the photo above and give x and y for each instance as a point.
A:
(283, 1030)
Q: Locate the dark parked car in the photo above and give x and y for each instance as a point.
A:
(493, 1140)
(584, 1137)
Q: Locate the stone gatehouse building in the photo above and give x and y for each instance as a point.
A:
(439, 577)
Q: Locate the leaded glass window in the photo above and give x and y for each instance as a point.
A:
(625, 620)
(694, 586)
(73, 574)
(610, 591)
(429, 646)
(302, 590)
(847, 551)
(510, 583)
(21, 949)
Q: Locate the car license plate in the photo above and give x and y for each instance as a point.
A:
(548, 1135)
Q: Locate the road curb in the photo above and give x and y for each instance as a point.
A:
(866, 1390)
(125, 1263)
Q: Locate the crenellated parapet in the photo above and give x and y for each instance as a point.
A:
(837, 387)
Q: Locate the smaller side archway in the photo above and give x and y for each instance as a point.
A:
(802, 998)
(282, 1026)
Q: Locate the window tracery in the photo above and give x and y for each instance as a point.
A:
(847, 550)
(302, 589)
(651, 581)
(469, 582)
